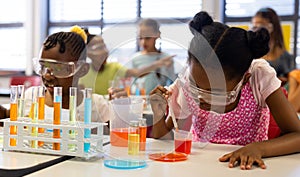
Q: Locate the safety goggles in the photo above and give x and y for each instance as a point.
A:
(217, 98)
(56, 68)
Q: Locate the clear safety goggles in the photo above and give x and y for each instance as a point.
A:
(217, 98)
(56, 68)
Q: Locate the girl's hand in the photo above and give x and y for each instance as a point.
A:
(117, 93)
(246, 157)
(158, 100)
(167, 61)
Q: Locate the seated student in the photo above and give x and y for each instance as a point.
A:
(223, 100)
(294, 89)
(278, 57)
(101, 71)
(61, 63)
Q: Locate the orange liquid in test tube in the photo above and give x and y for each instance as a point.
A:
(56, 121)
(143, 91)
(13, 117)
(127, 89)
(41, 103)
(143, 134)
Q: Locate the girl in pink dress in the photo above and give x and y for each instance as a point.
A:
(225, 95)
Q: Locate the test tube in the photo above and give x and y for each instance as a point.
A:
(143, 133)
(34, 116)
(87, 116)
(21, 100)
(57, 101)
(41, 111)
(13, 113)
(127, 86)
(133, 138)
(72, 114)
(142, 89)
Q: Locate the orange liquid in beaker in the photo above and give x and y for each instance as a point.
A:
(119, 137)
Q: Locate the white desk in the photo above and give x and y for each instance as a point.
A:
(20, 163)
(202, 162)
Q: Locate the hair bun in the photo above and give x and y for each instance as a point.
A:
(200, 19)
(258, 42)
(77, 29)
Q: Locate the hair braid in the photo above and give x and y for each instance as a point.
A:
(67, 41)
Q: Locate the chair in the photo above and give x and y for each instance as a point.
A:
(27, 81)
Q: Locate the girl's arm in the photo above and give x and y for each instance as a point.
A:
(294, 93)
(289, 124)
(286, 118)
(162, 126)
(133, 72)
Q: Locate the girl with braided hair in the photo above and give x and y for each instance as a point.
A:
(225, 95)
(61, 64)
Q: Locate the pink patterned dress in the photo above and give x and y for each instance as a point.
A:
(247, 123)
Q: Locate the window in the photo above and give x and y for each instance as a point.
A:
(239, 13)
(116, 21)
(13, 35)
(247, 8)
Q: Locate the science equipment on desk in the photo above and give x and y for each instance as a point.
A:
(87, 115)
(13, 112)
(125, 164)
(24, 126)
(57, 101)
(21, 100)
(168, 156)
(143, 133)
(124, 110)
(133, 138)
(24, 138)
(183, 141)
(34, 116)
(72, 113)
(41, 110)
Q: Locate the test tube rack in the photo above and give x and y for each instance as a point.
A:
(24, 137)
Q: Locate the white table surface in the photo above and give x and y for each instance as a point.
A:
(202, 162)
(20, 160)
(11, 160)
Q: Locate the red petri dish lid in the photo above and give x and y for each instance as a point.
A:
(168, 157)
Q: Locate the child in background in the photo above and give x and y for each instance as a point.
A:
(225, 96)
(278, 56)
(101, 71)
(148, 33)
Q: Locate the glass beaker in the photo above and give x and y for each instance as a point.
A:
(124, 111)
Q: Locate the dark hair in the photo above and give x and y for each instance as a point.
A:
(89, 35)
(276, 35)
(68, 41)
(233, 47)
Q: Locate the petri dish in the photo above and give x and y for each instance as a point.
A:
(125, 164)
(168, 157)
